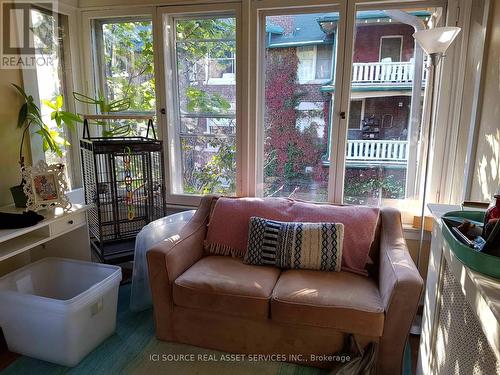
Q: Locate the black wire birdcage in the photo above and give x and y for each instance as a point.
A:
(125, 188)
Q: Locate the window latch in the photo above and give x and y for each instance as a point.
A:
(342, 115)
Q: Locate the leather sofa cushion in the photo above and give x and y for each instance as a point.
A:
(224, 284)
(339, 300)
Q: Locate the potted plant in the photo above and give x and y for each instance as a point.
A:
(53, 139)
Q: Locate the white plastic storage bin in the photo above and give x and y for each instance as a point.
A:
(59, 309)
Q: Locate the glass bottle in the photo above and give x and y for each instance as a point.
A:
(492, 215)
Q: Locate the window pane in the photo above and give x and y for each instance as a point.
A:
(390, 49)
(324, 62)
(297, 116)
(306, 63)
(206, 105)
(127, 63)
(355, 115)
(48, 43)
(379, 165)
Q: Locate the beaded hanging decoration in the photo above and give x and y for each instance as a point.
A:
(129, 198)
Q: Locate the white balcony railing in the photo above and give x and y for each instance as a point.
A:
(383, 73)
(377, 152)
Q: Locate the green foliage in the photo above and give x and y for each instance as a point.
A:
(205, 28)
(44, 31)
(128, 74)
(361, 184)
(30, 114)
(218, 175)
(203, 102)
(128, 64)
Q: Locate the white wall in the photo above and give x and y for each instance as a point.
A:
(486, 179)
(10, 136)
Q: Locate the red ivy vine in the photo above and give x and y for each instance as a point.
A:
(288, 150)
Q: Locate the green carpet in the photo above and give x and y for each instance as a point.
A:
(128, 351)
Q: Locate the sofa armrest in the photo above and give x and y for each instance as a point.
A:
(400, 288)
(170, 258)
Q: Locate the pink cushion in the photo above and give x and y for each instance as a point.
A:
(228, 227)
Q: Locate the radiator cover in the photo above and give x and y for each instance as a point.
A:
(461, 346)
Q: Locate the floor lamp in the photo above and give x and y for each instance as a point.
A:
(434, 42)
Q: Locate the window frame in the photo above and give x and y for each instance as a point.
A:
(88, 52)
(454, 12)
(67, 16)
(260, 10)
(99, 74)
(165, 17)
(401, 40)
(363, 102)
(302, 80)
(314, 80)
(346, 89)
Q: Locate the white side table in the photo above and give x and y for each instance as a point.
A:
(61, 234)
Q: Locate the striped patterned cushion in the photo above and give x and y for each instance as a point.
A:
(313, 246)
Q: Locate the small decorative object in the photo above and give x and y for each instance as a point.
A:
(493, 213)
(465, 227)
(129, 199)
(45, 186)
(387, 121)
(371, 127)
(492, 245)
(488, 228)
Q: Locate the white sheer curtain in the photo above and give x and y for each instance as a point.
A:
(150, 235)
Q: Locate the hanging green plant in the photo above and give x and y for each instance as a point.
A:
(105, 107)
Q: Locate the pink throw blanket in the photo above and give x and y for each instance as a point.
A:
(229, 223)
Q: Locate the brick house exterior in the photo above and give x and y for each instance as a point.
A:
(392, 111)
(367, 45)
(379, 116)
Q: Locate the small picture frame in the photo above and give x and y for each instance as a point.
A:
(45, 186)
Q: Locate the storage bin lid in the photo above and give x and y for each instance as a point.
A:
(60, 282)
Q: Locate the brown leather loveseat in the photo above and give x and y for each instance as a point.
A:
(218, 302)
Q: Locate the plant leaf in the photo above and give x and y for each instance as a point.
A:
(45, 145)
(33, 109)
(59, 102)
(84, 98)
(44, 133)
(71, 116)
(50, 104)
(23, 114)
(21, 91)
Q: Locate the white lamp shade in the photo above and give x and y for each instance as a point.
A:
(436, 40)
